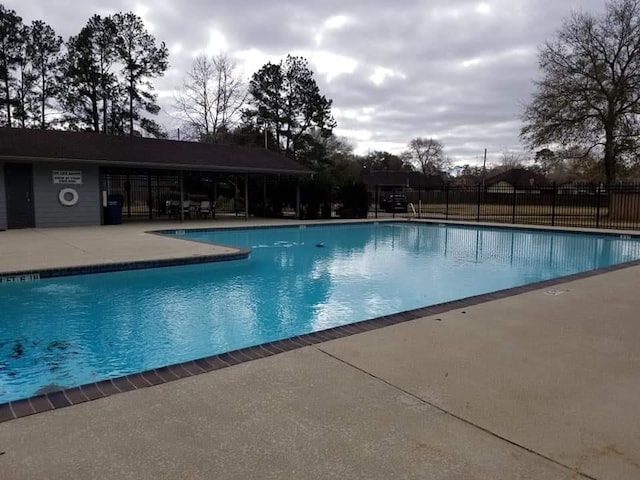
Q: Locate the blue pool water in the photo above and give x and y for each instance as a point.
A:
(69, 331)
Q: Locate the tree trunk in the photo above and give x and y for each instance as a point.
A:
(609, 155)
(23, 99)
(113, 118)
(104, 113)
(277, 126)
(43, 100)
(8, 94)
(130, 107)
(96, 115)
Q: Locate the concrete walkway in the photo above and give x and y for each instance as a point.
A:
(41, 248)
(532, 386)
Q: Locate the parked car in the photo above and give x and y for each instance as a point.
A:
(396, 203)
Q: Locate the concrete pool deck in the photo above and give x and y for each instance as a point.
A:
(543, 384)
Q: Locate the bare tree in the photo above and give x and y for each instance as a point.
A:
(589, 94)
(427, 154)
(509, 160)
(231, 92)
(569, 164)
(210, 98)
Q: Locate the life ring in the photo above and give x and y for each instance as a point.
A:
(68, 197)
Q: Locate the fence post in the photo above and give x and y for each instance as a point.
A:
(419, 200)
(553, 204)
(598, 189)
(377, 199)
(478, 213)
(446, 211)
(513, 212)
(393, 210)
(149, 196)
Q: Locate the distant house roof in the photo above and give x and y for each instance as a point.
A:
(465, 180)
(110, 150)
(387, 178)
(519, 177)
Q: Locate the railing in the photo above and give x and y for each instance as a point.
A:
(615, 206)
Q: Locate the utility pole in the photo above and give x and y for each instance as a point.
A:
(484, 167)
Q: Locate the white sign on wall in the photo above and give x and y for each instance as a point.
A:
(70, 177)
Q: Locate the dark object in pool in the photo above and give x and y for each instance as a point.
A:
(54, 366)
(18, 350)
(58, 344)
(320, 245)
(50, 388)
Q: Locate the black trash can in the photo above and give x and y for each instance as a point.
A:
(113, 210)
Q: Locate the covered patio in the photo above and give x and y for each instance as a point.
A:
(61, 178)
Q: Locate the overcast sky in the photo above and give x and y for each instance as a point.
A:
(456, 70)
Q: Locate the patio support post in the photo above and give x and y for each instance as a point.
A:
(235, 194)
(181, 182)
(246, 196)
(127, 188)
(264, 195)
(149, 195)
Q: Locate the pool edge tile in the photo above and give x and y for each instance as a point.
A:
(152, 377)
(76, 396)
(58, 399)
(122, 384)
(138, 381)
(21, 408)
(41, 404)
(6, 413)
(93, 391)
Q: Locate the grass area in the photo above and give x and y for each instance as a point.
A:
(566, 216)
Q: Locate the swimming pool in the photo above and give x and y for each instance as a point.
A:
(68, 331)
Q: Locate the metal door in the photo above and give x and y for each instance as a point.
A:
(18, 180)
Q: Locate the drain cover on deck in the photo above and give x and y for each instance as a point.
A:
(554, 292)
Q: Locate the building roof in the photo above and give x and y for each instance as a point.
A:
(520, 177)
(109, 150)
(400, 178)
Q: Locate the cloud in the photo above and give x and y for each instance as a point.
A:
(457, 70)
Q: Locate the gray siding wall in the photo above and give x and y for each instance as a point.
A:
(3, 200)
(49, 211)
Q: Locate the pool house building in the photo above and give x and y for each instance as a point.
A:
(52, 178)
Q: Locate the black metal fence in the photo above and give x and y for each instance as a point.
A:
(615, 206)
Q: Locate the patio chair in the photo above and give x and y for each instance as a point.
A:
(189, 208)
(173, 208)
(206, 209)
